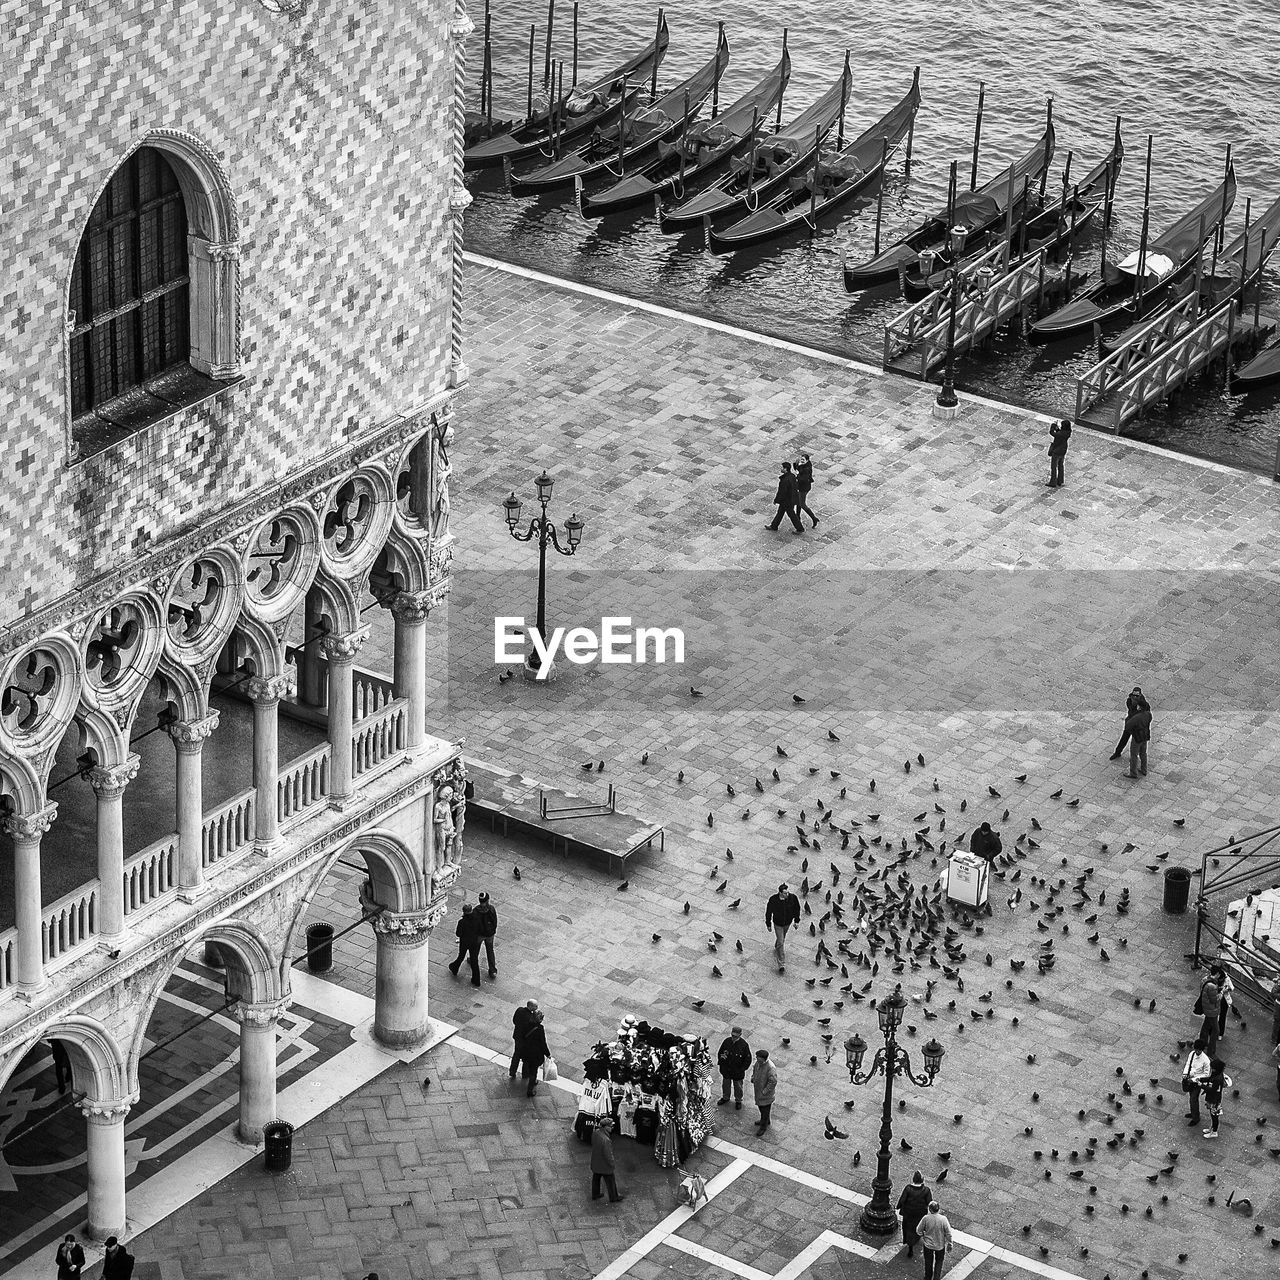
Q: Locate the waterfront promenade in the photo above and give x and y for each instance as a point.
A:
(948, 605)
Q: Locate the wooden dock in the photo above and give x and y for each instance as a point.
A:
(992, 294)
(1162, 357)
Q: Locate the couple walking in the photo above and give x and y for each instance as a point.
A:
(1137, 732)
(792, 496)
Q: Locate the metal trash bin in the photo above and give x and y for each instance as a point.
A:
(1177, 890)
(277, 1139)
(320, 947)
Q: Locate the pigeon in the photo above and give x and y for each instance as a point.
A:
(657, 937)
(1022, 777)
(831, 737)
(715, 971)
(781, 752)
(904, 1144)
(746, 1004)
(515, 871)
(1179, 822)
(505, 676)
(797, 699)
(735, 904)
(777, 777)
(588, 766)
(695, 693)
(993, 792)
(697, 1004)
(906, 765)
(622, 888)
(426, 1083)
(680, 776)
(832, 1131)
(711, 819)
(644, 759)
(1074, 804)
(759, 785)
(686, 909)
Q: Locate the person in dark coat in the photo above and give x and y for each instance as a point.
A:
(1061, 433)
(521, 1021)
(487, 925)
(117, 1262)
(468, 931)
(70, 1259)
(785, 499)
(780, 913)
(1135, 702)
(986, 844)
(61, 1064)
(1138, 727)
(602, 1162)
(733, 1060)
(533, 1053)
(913, 1204)
(804, 482)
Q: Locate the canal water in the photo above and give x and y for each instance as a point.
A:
(1194, 76)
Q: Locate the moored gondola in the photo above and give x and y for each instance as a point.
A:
(766, 170)
(585, 107)
(832, 182)
(975, 210)
(1138, 285)
(700, 151)
(635, 136)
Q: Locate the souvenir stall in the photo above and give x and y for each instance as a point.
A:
(657, 1086)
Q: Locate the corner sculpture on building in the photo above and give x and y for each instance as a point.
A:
(233, 347)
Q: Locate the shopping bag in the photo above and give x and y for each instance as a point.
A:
(549, 1071)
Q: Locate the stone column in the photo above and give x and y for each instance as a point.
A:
(188, 740)
(105, 1158)
(341, 651)
(257, 1066)
(108, 785)
(310, 674)
(400, 995)
(409, 678)
(265, 693)
(27, 830)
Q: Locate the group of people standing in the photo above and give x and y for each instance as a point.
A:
(792, 496)
(1204, 1073)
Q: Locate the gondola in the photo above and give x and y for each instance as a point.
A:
(633, 139)
(765, 171)
(1138, 285)
(974, 210)
(1050, 226)
(832, 182)
(1262, 371)
(700, 151)
(1216, 280)
(585, 107)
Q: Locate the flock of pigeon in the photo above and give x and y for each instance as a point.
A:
(879, 917)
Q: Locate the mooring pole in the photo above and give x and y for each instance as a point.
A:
(778, 122)
(546, 59)
(911, 128)
(532, 33)
(622, 127)
(1200, 267)
(715, 83)
(575, 44)
(884, 160)
(844, 102)
(657, 49)
(951, 208)
(484, 69)
(977, 136)
(813, 186)
(1244, 264)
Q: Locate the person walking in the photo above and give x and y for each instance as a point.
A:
(533, 1052)
(733, 1060)
(1208, 1004)
(1061, 436)
(780, 913)
(1194, 1073)
(468, 932)
(1222, 980)
(117, 1262)
(804, 482)
(764, 1084)
(487, 926)
(521, 1021)
(70, 1259)
(1135, 702)
(913, 1204)
(1215, 1085)
(61, 1064)
(602, 1162)
(935, 1235)
(785, 500)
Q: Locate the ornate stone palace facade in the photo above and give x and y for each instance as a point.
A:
(231, 344)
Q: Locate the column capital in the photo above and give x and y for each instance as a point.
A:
(31, 826)
(462, 25)
(109, 781)
(264, 1014)
(270, 688)
(107, 1111)
(189, 735)
(410, 929)
(459, 199)
(344, 648)
(229, 251)
(412, 606)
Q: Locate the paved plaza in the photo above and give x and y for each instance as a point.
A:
(948, 606)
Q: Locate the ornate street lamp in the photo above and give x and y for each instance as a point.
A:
(543, 529)
(947, 398)
(879, 1217)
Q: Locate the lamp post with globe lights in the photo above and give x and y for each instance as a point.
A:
(879, 1216)
(544, 530)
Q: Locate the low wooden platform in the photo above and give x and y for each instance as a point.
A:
(512, 801)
